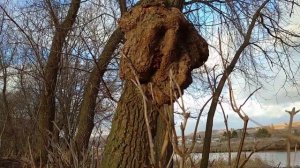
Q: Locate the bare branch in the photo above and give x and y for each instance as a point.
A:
(52, 13)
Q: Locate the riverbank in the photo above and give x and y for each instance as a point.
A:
(264, 159)
(262, 144)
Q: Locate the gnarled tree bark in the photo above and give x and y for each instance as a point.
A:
(168, 44)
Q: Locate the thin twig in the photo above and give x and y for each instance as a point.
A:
(30, 153)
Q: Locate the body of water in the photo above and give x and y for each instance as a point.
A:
(274, 158)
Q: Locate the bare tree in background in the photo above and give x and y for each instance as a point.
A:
(46, 110)
(288, 146)
(6, 57)
(245, 41)
(75, 64)
(67, 85)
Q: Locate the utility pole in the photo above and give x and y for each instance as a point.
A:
(292, 114)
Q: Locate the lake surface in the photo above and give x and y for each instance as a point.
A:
(274, 158)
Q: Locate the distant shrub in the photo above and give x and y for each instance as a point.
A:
(234, 134)
(262, 133)
(231, 134)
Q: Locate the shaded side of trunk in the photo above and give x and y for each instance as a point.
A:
(163, 146)
(46, 110)
(128, 143)
(87, 109)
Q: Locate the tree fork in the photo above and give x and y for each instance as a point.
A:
(46, 110)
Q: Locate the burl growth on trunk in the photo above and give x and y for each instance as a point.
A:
(160, 40)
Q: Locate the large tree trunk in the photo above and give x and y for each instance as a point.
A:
(86, 114)
(128, 145)
(46, 110)
(169, 45)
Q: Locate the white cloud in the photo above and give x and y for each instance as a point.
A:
(267, 106)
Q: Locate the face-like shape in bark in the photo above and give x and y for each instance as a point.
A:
(160, 40)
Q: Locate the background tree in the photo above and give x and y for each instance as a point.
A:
(77, 58)
(292, 113)
(262, 133)
(248, 40)
(46, 110)
(245, 42)
(234, 134)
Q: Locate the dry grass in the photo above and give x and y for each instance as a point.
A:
(254, 162)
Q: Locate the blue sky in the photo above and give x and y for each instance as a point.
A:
(266, 107)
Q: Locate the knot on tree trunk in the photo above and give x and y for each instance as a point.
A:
(159, 40)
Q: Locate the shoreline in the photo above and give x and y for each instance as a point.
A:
(260, 145)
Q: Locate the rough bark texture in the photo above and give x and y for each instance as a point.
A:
(46, 109)
(128, 144)
(158, 40)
